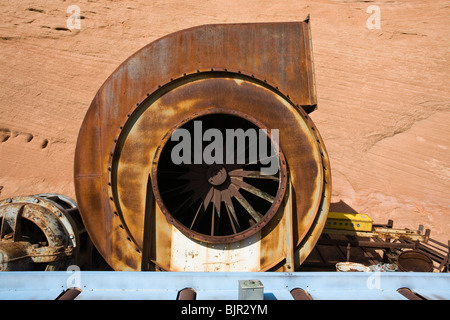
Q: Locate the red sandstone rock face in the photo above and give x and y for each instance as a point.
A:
(383, 97)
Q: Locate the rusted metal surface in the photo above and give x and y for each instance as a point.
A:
(69, 294)
(187, 294)
(260, 73)
(438, 252)
(414, 260)
(300, 294)
(409, 294)
(385, 234)
(38, 233)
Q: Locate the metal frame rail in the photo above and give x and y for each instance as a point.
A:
(94, 285)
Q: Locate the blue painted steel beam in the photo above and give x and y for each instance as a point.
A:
(221, 286)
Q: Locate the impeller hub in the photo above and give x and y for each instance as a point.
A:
(216, 174)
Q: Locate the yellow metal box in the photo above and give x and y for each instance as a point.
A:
(349, 221)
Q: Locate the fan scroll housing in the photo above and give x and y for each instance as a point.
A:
(145, 211)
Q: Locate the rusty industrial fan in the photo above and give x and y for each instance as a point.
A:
(145, 211)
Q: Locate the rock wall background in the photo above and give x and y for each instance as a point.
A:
(383, 94)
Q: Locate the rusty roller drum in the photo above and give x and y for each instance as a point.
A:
(143, 211)
(40, 232)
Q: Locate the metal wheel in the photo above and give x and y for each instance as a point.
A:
(224, 201)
